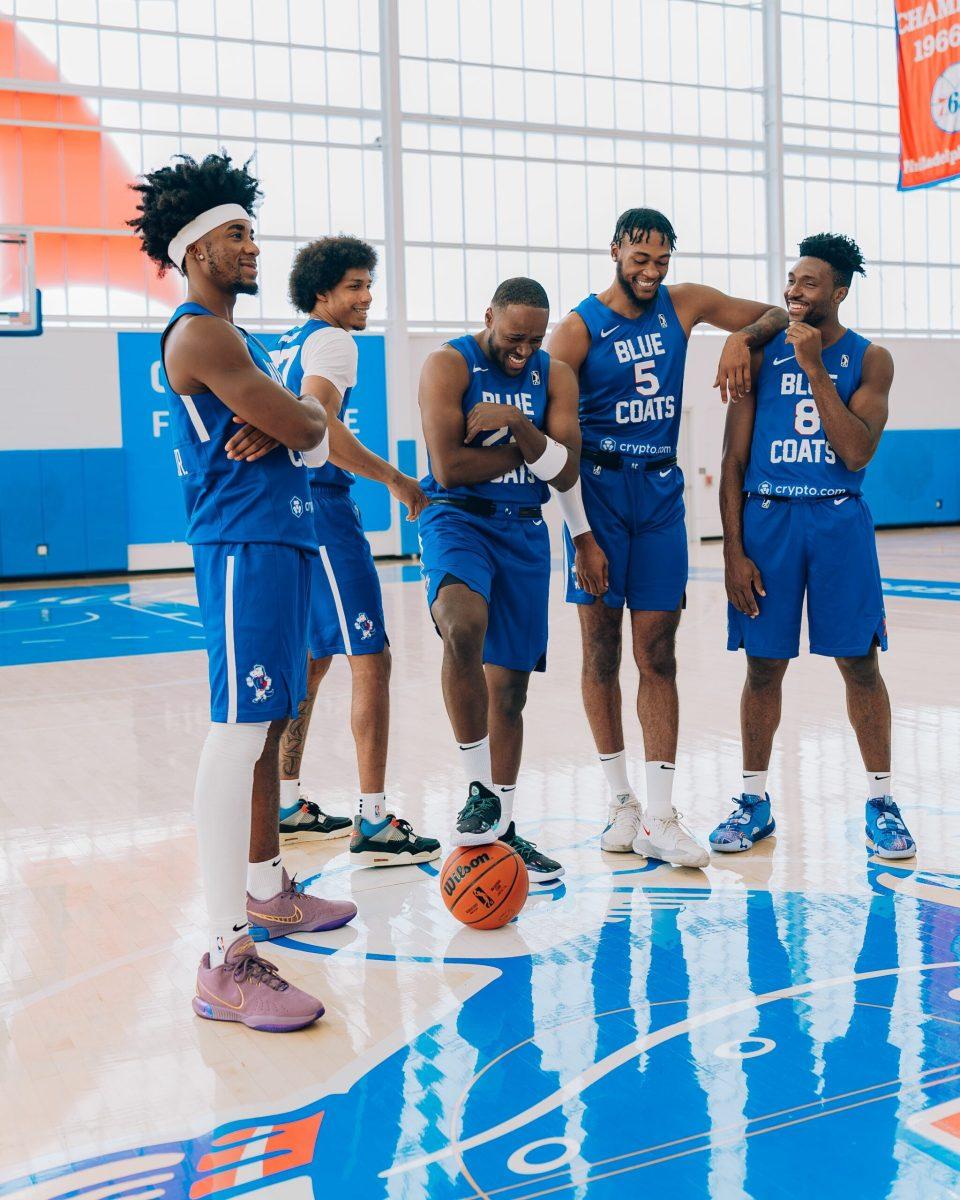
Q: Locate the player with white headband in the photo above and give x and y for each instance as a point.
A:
(248, 520)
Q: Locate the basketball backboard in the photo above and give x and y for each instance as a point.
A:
(20, 308)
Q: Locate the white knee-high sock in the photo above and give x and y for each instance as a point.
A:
(475, 760)
(660, 776)
(222, 811)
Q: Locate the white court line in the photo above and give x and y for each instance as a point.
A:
(121, 603)
(579, 1083)
(55, 989)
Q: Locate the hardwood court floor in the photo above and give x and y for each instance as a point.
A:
(782, 1024)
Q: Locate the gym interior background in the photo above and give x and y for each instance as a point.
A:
(468, 142)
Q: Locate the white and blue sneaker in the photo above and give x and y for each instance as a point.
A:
(750, 822)
(887, 834)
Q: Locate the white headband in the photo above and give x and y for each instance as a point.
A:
(202, 224)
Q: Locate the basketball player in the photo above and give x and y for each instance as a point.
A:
(500, 423)
(628, 346)
(330, 282)
(248, 521)
(794, 523)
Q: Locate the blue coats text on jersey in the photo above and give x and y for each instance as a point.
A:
(528, 392)
(790, 456)
(631, 381)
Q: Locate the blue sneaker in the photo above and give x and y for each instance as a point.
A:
(887, 835)
(750, 822)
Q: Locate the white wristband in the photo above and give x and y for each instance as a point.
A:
(572, 511)
(551, 462)
(317, 457)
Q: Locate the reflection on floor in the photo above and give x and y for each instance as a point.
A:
(782, 1024)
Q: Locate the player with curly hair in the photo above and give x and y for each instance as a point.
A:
(795, 524)
(248, 521)
(330, 283)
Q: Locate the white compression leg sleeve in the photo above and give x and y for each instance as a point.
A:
(222, 812)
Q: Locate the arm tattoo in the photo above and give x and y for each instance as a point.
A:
(773, 321)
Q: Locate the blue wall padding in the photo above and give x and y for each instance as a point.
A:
(71, 501)
(914, 478)
(407, 462)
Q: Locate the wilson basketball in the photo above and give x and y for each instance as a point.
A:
(484, 886)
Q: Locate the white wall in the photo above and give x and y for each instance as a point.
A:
(60, 391)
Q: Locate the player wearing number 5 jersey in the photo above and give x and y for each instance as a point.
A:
(795, 524)
(628, 347)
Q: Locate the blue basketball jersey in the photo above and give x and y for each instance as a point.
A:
(290, 367)
(528, 392)
(631, 382)
(228, 501)
(789, 454)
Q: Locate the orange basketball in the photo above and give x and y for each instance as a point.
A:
(484, 886)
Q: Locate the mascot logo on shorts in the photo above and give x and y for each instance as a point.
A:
(262, 684)
(296, 506)
(608, 444)
(364, 626)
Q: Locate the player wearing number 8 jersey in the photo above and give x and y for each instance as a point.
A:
(628, 347)
(795, 523)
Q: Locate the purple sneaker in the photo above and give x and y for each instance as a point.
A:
(248, 989)
(292, 910)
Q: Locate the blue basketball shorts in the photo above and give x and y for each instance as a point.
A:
(824, 549)
(346, 603)
(637, 518)
(254, 599)
(506, 560)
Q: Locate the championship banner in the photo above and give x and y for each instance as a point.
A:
(928, 68)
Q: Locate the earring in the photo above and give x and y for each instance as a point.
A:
(200, 257)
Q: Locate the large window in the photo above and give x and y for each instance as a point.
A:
(841, 144)
(107, 88)
(528, 125)
(525, 127)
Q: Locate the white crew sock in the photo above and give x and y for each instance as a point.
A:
(615, 769)
(507, 793)
(660, 777)
(878, 785)
(289, 796)
(222, 811)
(475, 760)
(265, 879)
(754, 783)
(373, 806)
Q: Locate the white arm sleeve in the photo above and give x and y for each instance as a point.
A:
(332, 354)
(317, 457)
(572, 510)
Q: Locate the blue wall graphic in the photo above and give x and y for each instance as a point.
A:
(154, 500)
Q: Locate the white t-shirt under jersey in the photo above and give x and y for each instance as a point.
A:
(331, 353)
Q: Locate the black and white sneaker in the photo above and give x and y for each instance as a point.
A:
(478, 822)
(389, 843)
(310, 823)
(540, 868)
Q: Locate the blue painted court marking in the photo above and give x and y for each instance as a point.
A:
(41, 625)
(106, 621)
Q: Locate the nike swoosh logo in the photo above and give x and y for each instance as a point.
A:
(779, 361)
(222, 1000)
(664, 474)
(841, 500)
(645, 829)
(274, 920)
(476, 369)
(664, 767)
(607, 332)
